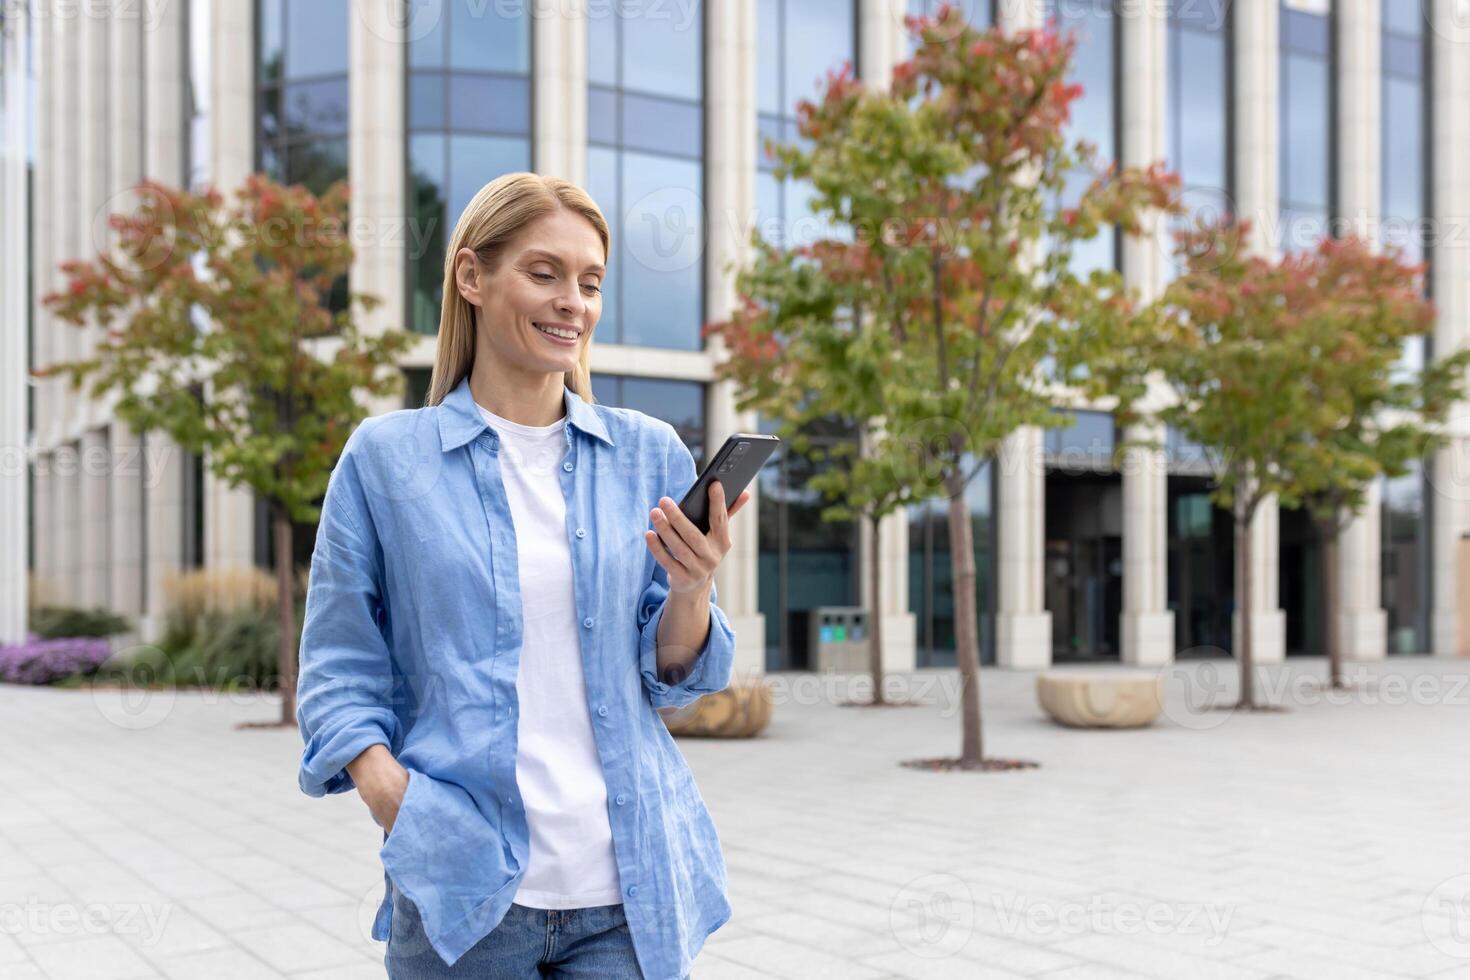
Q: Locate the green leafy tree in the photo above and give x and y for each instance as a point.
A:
(1360, 307)
(217, 330)
(943, 309)
(1283, 370)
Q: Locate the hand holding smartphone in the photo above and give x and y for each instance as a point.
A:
(735, 465)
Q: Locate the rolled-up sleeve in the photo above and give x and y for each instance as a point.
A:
(345, 683)
(716, 661)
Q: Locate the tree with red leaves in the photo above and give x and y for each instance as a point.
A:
(217, 329)
(1285, 371)
(944, 311)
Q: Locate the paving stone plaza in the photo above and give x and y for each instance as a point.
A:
(151, 837)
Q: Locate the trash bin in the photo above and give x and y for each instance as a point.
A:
(839, 638)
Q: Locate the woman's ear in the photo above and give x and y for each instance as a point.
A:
(467, 276)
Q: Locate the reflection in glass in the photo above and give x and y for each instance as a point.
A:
(931, 591)
(645, 136)
(800, 42)
(1405, 136)
(1198, 114)
(1405, 525)
(469, 121)
(804, 561)
(1306, 128)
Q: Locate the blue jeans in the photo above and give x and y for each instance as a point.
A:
(592, 943)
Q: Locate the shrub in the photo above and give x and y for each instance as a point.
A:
(65, 622)
(44, 661)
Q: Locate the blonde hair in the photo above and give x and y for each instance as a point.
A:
(493, 217)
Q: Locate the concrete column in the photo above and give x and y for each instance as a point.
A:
(14, 274)
(1023, 624)
(163, 491)
(43, 516)
(92, 190)
(730, 164)
(1362, 621)
(229, 513)
(163, 95)
(126, 570)
(164, 73)
(882, 40)
(883, 43)
(559, 91)
(1257, 162)
(67, 527)
(42, 239)
(1018, 15)
(96, 537)
(1450, 200)
(58, 421)
(1147, 627)
(376, 138)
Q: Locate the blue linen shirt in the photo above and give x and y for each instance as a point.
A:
(412, 638)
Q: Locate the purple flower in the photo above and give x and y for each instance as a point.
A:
(39, 661)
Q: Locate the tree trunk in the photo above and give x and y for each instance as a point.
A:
(875, 613)
(967, 646)
(1245, 654)
(285, 613)
(1329, 603)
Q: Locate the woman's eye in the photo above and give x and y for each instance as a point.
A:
(542, 276)
(592, 287)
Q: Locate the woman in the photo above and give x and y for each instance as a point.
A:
(486, 640)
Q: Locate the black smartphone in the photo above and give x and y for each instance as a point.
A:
(735, 465)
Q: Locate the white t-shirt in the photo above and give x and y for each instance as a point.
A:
(558, 772)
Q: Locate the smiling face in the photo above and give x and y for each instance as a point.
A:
(548, 281)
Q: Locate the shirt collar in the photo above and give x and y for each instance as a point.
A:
(460, 420)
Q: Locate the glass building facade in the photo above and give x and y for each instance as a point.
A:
(1198, 114)
(1308, 162)
(301, 88)
(645, 155)
(469, 121)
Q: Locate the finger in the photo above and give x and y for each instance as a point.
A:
(672, 540)
(718, 518)
(680, 524)
(660, 553)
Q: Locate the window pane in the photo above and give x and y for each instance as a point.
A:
(270, 41)
(486, 36)
(602, 184)
(1403, 141)
(679, 403)
(478, 103)
(662, 233)
(317, 164)
(427, 27)
(474, 161)
(662, 125)
(768, 56)
(427, 234)
(316, 38)
(426, 100)
(316, 108)
(602, 115)
(661, 50)
(819, 38)
(1305, 135)
(1200, 154)
(1404, 17)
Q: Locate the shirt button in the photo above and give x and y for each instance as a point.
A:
(581, 532)
(587, 622)
(567, 466)
(622, 799)
(632, 891)
(602, 710)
